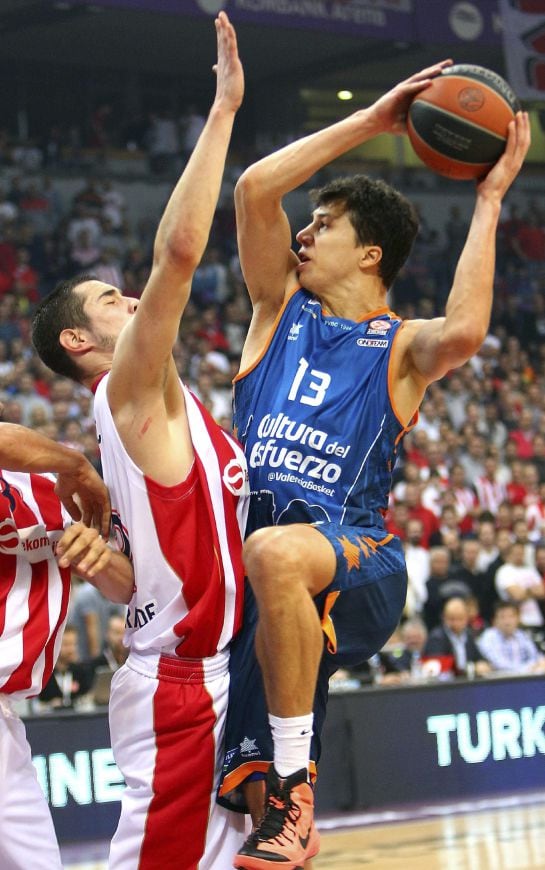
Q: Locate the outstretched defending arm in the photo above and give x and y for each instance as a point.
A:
(23, 449)
(143, 353)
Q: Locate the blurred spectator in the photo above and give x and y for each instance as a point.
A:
(473, 458)
(114, 652)
(521, 584)
(89, 613)
(442, 585)
(453, 643)
(417, 511)
(491, 492)
(162, 143)
(71, 678)
(488, 548)
(401, 662)
(478, 581)
(191, 126)
(523, 435)
(417, 559)
(506, 646)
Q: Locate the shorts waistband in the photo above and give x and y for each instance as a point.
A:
(174, 668)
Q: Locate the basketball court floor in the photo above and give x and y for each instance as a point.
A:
(506, 833)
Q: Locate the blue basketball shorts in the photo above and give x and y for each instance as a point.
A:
(359, 611)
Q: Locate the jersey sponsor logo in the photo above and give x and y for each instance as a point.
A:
(138, 617)
(271, 454)
(9, 536)
(235, 478)
(372, 342)
(294, 331)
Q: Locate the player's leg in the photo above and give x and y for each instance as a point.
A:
(167, 734)
(287, 566)
(27, 836)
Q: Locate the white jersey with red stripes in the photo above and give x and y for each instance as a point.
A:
(185, 541)
(34, 591)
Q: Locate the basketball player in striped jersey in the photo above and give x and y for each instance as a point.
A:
(178, 484)
(39, 546)
(330, 381)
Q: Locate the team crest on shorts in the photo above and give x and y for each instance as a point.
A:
(248, 748)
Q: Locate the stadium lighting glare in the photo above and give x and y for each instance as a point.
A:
(344, 95)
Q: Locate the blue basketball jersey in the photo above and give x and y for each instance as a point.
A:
(315, 418)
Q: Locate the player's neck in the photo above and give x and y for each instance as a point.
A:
(354, 303)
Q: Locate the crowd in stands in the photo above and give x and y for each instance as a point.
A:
(468, 496)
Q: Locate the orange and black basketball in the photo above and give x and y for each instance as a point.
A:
(458, 125)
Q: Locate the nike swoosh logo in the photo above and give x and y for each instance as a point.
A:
(304, 840)
(304, 733)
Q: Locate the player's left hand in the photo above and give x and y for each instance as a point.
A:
(498, 180)
(83, 549)
(228, 69)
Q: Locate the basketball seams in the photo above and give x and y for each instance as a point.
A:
(459, 125)
(465, 121)
(485, 77)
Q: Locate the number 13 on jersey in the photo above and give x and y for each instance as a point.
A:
(313, 390)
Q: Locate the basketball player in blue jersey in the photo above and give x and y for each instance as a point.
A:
(330, 381)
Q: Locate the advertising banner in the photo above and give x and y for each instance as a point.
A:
(524, 46)
(381, 746)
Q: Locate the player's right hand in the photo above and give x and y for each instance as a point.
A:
(85, 497)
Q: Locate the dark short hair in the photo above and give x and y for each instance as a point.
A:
(61, 309)
(505, 605)
(380, 216)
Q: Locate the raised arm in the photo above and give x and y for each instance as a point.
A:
(25, 450)
(264, 235)
(431, 348)
(144, 349)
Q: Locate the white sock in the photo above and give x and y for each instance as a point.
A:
(291, 739)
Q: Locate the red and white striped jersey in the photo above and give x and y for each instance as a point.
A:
(34, 591)
(185, 541)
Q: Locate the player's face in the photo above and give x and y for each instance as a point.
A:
(330, 252)
(108, 311)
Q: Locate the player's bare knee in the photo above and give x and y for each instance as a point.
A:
(269, 557)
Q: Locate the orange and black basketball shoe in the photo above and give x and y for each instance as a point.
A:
(286, 835)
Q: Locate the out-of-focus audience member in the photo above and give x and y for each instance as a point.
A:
(523, 585)
(506, 646)
(71, 678)
(114, 653)
(417, 559)
(442, 585)
(89, 613)
(451, 648)
(402, 662)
